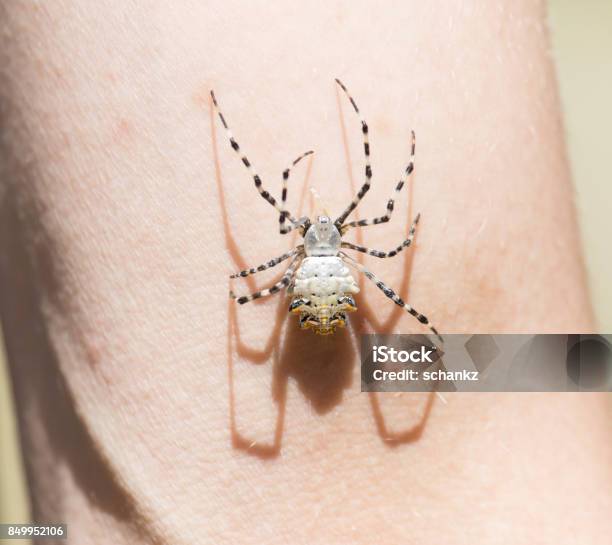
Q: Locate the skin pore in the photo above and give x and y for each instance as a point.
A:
(151, 409)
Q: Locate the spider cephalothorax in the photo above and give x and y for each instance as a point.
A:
(318, 277)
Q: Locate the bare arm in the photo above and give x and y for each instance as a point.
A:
(124, 210)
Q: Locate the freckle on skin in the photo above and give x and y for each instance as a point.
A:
(201, 97)
(92, 353)
(124, 130)
(381, 125)
(58, 73)
(111, 76)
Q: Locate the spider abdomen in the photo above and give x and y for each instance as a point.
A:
(322, 293)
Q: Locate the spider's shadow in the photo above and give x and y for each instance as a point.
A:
(322, 370)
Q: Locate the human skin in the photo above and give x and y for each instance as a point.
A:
(151, 409)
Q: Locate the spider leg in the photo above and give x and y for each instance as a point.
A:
(282, 283)
(391, 253)
(285, 214)
(368, 169)
(391, 294)
(258, 184)
(269, 264)
(390, 203)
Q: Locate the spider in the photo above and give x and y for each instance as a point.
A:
(318, 277)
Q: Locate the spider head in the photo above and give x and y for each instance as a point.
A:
(322, 238)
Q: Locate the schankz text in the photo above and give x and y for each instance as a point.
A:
(384, 354)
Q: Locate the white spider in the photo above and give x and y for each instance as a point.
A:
(318, 278)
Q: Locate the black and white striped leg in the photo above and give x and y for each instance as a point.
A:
(269, 264)
(391, 294)
(281, 284)
(392, 253)
(258, 184)
(284, 229)
(391, 202)
(368, 169)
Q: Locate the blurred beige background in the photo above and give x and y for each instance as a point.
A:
(582, 43)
